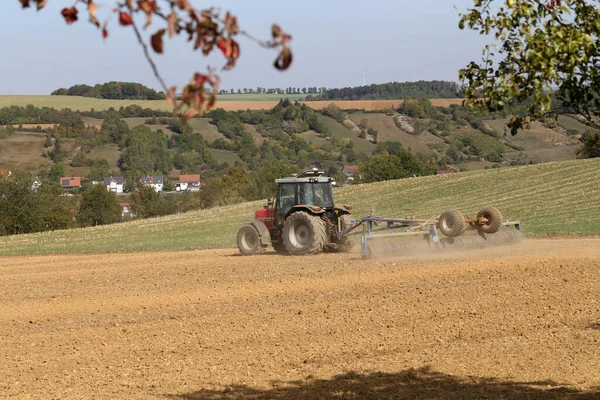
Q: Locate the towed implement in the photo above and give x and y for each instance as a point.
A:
(303, 219)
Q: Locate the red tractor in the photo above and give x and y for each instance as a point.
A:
(302, 220)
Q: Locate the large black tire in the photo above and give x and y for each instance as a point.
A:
(304, 234)
(493, 217)
(248, 241)
(452, 223)
(347, 242)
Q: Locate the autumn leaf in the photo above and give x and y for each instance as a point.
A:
(24, 3)
(92, 8)
(171, 96)
(147, 7)
(171, 21)
(284, 60)
(41, 4)
(275, 31)
(125, 19)
(157, 41)
(231, 50)
(69, 14)
(211, 101)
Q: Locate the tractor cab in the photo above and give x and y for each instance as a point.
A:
(302, 219)
(315, 193)
(309, 190)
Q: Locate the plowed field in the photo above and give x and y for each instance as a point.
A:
(512, 323)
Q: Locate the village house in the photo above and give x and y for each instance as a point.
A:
(155, 182)
(5, 173)
(189, 182)
(114, 184)
(349, 171)
(127, 209)
(70, 182)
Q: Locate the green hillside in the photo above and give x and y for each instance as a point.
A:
(560, 198)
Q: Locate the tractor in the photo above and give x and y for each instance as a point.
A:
(302, 219)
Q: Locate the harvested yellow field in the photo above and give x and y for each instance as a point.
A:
(522, 323)
(86, 103)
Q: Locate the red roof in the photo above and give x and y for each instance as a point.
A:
(70, 181)
(4, 173)
(350, 169)
(189, 178)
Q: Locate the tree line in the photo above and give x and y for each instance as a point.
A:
(112, 90)
(262, 90)
(392, 91)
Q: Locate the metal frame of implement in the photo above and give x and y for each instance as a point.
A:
(413, 227)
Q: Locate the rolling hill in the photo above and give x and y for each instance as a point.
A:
(559, 198)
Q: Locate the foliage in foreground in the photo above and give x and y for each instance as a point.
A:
(540, 46)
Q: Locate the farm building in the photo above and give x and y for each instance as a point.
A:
(155, 182)
(70, 182)
(349, 171)
(114, 184)
(189, 182)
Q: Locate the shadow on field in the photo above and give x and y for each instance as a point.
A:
(410, 384)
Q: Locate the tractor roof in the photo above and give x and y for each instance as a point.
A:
(294, 179)
(308, 175)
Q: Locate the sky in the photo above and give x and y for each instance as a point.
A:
(334, 42)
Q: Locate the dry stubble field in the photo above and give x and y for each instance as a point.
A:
(522, 323)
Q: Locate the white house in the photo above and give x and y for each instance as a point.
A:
(114, 184)
(189, 182)
(155, 182)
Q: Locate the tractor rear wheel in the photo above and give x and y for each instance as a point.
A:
(304, 234)
(346, 243)
(493, 217)
(248, 241)
(452, 223)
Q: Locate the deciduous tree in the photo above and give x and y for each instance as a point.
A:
(540, 48)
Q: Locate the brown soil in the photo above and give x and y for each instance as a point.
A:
(521, 322)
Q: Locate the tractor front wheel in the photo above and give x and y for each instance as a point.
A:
(248, 241)
(304, 234)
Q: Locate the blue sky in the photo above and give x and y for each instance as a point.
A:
(333, 42)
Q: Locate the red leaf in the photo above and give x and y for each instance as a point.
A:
(231, 50)
(157, 41)
(211, 101)
(104, 32)
(69, 14)
(24, 3)
(125, 19)
(284, 60)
